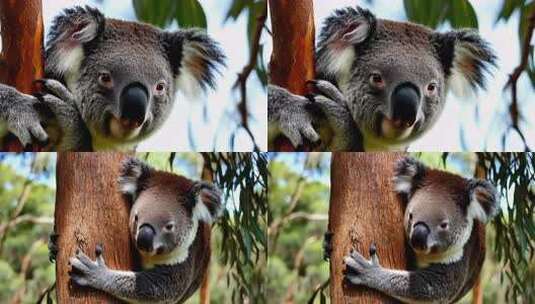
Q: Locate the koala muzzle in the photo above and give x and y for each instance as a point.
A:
(134, 104)
(145, 237)
(405, 104)
(419, 235)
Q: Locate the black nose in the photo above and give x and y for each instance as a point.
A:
(420, 231)
(134, 103)
(405, 102)
(145, 237)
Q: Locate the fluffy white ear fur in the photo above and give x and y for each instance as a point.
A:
(190, 78)
(201, 212)
(459, 81)
(475, 211)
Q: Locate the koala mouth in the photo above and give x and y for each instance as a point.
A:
(391, 129)
(120, 128)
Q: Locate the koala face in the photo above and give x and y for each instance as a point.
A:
(125, 74)
(166, 211)
(395, 75)
(441, 208)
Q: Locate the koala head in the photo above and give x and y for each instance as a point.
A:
(166, 211)
(441, 208)
(125, 74)
(395, 75)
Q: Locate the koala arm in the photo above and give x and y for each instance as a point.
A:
(18, 112)
(294, 116)
(437, 283)
(155, 285)
(75, 135)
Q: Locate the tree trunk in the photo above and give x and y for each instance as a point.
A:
(89, 211)
(477, 291)
(204, 293)
(292, 60)
(21, 60)
(363, 210)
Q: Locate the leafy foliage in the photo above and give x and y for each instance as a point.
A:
(514, 175)
(187, 13)
(459, 13)
(244, 180)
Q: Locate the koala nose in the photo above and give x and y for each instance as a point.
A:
(405, 102)
(134, 103)
(145, 237)
(419, 235)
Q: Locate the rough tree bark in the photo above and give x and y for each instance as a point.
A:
(364, 209)
(90, 211)
(292, 60)
(204, 293)
(21, 60)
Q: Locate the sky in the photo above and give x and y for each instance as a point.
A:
(482, 118)
(213, 116)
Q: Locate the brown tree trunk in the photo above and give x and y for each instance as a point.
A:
(364, 210)
(292, 60)
(204, 293)
(21, 60)
(477, 291)
(90, 211)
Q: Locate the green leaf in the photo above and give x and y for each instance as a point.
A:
(158, 13)
(189, 13)
(462, 14)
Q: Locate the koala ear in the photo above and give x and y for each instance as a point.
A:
(133, 175)
(68, 33)
(340, 33)
(484, 200)
(206, 200)
(466, 58)
(408, 172)
(195, 59)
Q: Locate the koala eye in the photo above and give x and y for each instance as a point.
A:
(410, 216)
(377, 80)
(431, 88)
(444, 225)
(160, 88)
(169, 227)
(135, 218)
(104, 78)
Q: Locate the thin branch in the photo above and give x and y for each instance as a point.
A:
(45, 292)
(25, 272)
(241, 82)
(513, 79)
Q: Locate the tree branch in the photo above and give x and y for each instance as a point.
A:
(513, 79)
(243, 76)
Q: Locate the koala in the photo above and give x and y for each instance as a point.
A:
(380, 84)
(110, 83)
(444, 226)
(170, 221)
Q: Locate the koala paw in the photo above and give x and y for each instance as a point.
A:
(329, 90)
(53, 247)
(20, 116)
(57, 89)
(86, 272)
(292, 116)
(358, 269)
(327, 245)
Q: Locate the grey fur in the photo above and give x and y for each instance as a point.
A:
(159, 199)
(353, 45)
(83, 45)
(451, 259)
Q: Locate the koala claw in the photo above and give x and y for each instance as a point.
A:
(86, 272)
(358, 268)
(53, 247)
(57, 89)
(327, 245)
(329, 90)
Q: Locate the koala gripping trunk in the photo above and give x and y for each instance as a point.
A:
(362, 182)
(292, 61)
(90, 210)
(21, 59)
